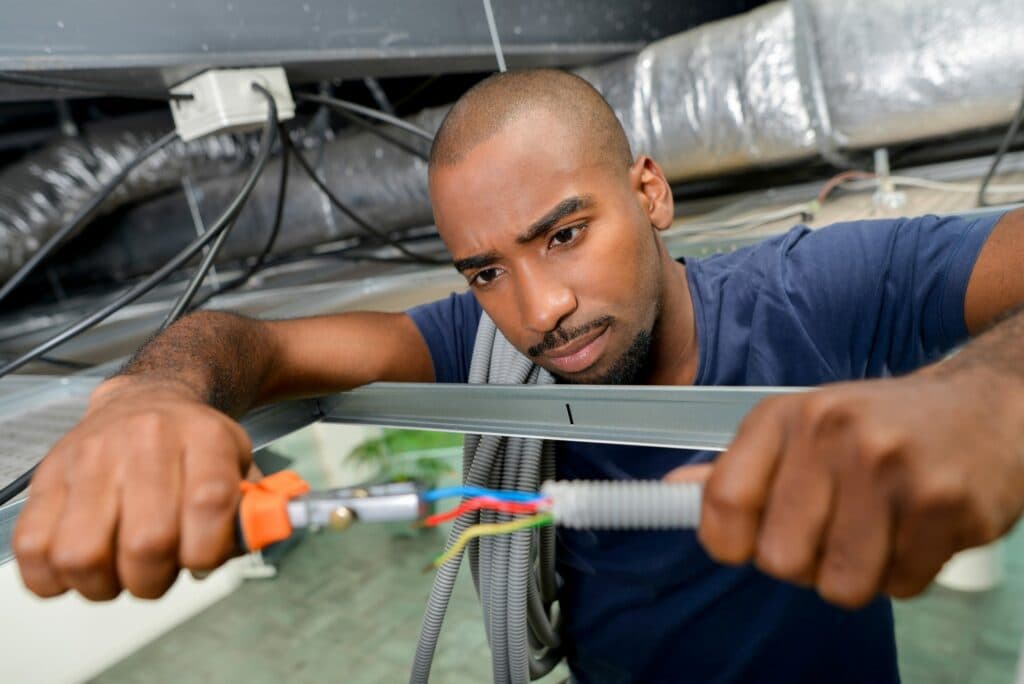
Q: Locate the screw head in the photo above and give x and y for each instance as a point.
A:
(340, 518)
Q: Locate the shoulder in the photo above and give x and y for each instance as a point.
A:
(449, 327)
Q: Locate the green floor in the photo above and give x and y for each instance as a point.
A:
(347, 608)
(344, 608)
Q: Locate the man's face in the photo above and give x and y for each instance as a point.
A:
(558, 247)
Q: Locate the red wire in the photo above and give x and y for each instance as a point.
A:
(479, 502)
(838, 179)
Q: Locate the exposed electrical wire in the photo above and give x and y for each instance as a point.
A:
(840, 178)
(482, 502)
(1004, 146)
(368, 112)
(84, 214)
(487, 529)
(182, 305)
(98, 89)
(498, 494)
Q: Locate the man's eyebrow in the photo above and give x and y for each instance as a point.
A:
(566, 207)
(476, 261)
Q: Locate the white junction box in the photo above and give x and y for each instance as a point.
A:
(224, 100)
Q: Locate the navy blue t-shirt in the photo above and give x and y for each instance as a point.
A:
(855, 300)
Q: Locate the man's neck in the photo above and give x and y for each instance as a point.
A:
(674, 353)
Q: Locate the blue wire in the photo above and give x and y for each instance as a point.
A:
(500, 494)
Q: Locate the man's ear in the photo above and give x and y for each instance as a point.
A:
(653, 192)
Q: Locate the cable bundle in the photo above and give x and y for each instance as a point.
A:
(514, 573)
(507, 502)
(580, 504)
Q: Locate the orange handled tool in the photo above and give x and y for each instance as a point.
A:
(277, 505)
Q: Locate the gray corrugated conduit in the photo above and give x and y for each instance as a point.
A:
(514, 574)
(616, 505)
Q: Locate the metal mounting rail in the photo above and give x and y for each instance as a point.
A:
(677, 417)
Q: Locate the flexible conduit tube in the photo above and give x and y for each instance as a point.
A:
(624, 505)
(515, 574)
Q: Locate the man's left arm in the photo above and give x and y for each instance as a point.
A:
(866, 487)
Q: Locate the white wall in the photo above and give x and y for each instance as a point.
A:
(69, 639)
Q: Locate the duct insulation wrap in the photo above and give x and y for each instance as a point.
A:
(786, 82)
(790, 79)
(382, 184)
(44, 190)
(722, 97)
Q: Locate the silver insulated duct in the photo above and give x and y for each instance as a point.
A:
(794, 79)
(783, 83)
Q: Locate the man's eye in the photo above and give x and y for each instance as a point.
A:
(565, 236)
(484, 277)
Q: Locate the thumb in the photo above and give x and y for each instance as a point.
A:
(690, 473)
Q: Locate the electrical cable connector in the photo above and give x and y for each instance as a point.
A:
(223, 100)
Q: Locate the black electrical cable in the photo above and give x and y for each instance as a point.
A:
(1004, 147)
(426, 83)
(84, 214)
(383, 135)
(141, 288)
(341, 107)
(282, 195)
(184, 301)
(182, 305)
(260, 262)
(92, 88)
(335, 103)
(17, 486)
(153, 280)
(355, 217)
(64, 363)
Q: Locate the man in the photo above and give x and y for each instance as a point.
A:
(846, 492)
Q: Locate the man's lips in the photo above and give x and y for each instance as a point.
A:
(579, 354)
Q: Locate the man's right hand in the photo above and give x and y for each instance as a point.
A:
(144, 485)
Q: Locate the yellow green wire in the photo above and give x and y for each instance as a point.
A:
(489, 529)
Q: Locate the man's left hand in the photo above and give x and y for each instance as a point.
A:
(867, 487)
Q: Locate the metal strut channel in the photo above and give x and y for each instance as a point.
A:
(677, 417)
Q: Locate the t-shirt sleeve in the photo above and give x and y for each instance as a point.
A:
(449, 328)
(885, 295)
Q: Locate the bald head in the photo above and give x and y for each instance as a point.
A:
(501, 99)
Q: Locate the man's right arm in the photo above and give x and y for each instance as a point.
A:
(147, 482)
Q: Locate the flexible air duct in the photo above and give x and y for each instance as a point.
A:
(786, 82)
(792, 79)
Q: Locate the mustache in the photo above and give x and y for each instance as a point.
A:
(561, 336)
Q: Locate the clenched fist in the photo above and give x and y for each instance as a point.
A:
(146, 484)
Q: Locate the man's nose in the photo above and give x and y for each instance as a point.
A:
(544, 299)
